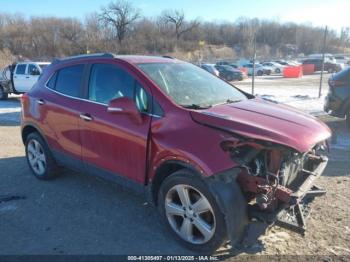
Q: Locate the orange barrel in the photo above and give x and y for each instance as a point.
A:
(293, 72)
(308, 69)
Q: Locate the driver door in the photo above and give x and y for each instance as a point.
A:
(113, 145)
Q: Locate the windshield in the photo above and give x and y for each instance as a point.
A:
(191, 86)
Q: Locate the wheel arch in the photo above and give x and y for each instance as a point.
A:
(165, 170)
(28, 129)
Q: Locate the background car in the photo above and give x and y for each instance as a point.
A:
(328, 66)
(338, 99)
(342, 59)
(276, 67)
(259, 69)
(282, 62)
(211, 69)
(229, 73)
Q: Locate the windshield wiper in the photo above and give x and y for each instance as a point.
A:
(230, 101)
(196, 107)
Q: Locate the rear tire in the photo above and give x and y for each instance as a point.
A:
(198, 227)
(3, 95)
(260, 73)
(39, 157)
(278, 71)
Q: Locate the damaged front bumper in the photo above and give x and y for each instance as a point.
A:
(293, 214)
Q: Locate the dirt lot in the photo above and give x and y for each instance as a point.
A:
(79, 214)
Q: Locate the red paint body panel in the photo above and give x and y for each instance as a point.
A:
(114, 142)
(263, 120)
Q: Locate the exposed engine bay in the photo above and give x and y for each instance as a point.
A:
(277, 181)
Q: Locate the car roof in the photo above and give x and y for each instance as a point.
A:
(32, 62)
(132, 59)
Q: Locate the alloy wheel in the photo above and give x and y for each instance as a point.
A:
(36, 157)
(190, 214)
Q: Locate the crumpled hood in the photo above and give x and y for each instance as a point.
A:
(263, 120)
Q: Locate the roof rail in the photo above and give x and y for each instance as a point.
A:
(87, 56)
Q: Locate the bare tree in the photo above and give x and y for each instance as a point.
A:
(120, 15)
(177, 19)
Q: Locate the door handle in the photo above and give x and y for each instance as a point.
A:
(40, 102)
(86, 117)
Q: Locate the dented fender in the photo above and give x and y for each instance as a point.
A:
(231, 202)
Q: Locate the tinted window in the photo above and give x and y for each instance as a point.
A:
(33, 70)
(108, 82)
(69, 80)
(52, 82)
(21, 69)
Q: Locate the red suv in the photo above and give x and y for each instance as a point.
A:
(211, 157)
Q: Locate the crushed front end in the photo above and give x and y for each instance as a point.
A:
(278, 182)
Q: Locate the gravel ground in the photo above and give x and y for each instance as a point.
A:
(79, 214)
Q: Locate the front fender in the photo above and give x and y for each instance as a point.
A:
(231, 202)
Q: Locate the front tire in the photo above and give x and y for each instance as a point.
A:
(278, 71)
(39, 157)
(191, 213)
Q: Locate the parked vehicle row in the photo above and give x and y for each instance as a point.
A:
(208, 155)
(330, 67)
(226, 72)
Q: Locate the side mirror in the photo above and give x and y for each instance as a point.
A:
(124, 105)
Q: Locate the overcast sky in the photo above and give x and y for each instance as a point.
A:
(334, 13)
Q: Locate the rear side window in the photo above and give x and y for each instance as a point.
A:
(108, 82)
(21, 69)
(69, 79)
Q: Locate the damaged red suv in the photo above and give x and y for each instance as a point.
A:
(210, 157)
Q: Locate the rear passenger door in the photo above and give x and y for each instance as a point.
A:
(114, 145)
(60, 110)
